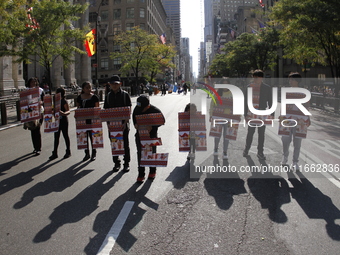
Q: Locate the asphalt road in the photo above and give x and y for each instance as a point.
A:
(67, 206)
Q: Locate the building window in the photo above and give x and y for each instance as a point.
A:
(104, 63)
(130, 13)
(117, 63)
(117, 1)
(92, 17)
(142, 26)
(117, 13)
(116, 48)
(130, 1)
(105, 2)
(117, 28)
(104, 15)
(129, 26)
(142, 13)
(142, 1)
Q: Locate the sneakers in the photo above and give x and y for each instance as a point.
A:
(215, 153)
(126, 168)
(94, 155)
(116, 168)
(245, 153)
(152, 176)
(261, 156)
(225, 156)
(140, 179)
(295, 167)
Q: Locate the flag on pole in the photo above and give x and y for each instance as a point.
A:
(261, 3)
(90, 43)
(163, 38)
(261, 25)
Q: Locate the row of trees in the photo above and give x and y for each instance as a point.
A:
(45, 30)
(307, 30)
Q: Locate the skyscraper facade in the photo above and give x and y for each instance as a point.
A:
(173, 12)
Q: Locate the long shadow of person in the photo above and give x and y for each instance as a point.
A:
(223, 186)
(78, 208)
(23, 178)
(8, 165)
(56, 183)
(272, 191)
(183, 174)
(315, 204)
(105, 219)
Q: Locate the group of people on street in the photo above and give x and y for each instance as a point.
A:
(117, 97)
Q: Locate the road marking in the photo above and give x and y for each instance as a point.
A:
(114, 232)
(333, 178)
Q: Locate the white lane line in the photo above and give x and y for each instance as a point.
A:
(114, 232)
(333, 178)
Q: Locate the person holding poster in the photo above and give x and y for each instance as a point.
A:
(297, 132)
(144, 107)
(119, 98)
(35, 132)
(63, 127)
(262, 98)
(88, 100)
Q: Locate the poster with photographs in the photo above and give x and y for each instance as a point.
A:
(294, 116)
(150, 159)
(88, 123)
(115, 114)
(191, 128)
(116, 137)
(51, 116)
(30, 107)
(184, 141)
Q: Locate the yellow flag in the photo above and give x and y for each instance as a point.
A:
(90, 43)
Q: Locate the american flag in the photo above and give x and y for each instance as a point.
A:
(163, 38)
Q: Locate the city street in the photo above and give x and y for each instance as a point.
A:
(70, 207)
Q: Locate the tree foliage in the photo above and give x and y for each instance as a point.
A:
(141, 52)
(310, 31)
(247, 52)
(49, 33)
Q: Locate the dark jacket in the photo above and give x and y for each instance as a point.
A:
(152, 109)
(265, 100)
(119, 99)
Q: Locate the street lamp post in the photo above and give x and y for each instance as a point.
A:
(96, 54)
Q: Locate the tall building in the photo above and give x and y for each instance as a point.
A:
(116, 16)
(173, 20)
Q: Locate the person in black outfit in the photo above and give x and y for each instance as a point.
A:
(35, 133)
(88, 100)
(63, 126)
(119, 98)
(265, 101)
(144, 107)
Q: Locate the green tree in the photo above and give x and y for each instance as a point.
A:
(49, 33)
(136, 50)
(249, 51)
(161, 57)
(310, 31)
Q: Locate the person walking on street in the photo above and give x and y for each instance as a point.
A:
(35, 132)
(120, 98)
(144, 107)
(264, 101)
(63, 126)
(88, 100)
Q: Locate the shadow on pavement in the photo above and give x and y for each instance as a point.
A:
(85, 203)
(272, 191)
(23, 178)
(315, 204)
(56, 183)
(8, 165)
(106, 219)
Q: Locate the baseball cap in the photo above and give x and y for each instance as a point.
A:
(115, 79)
(143, 101)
